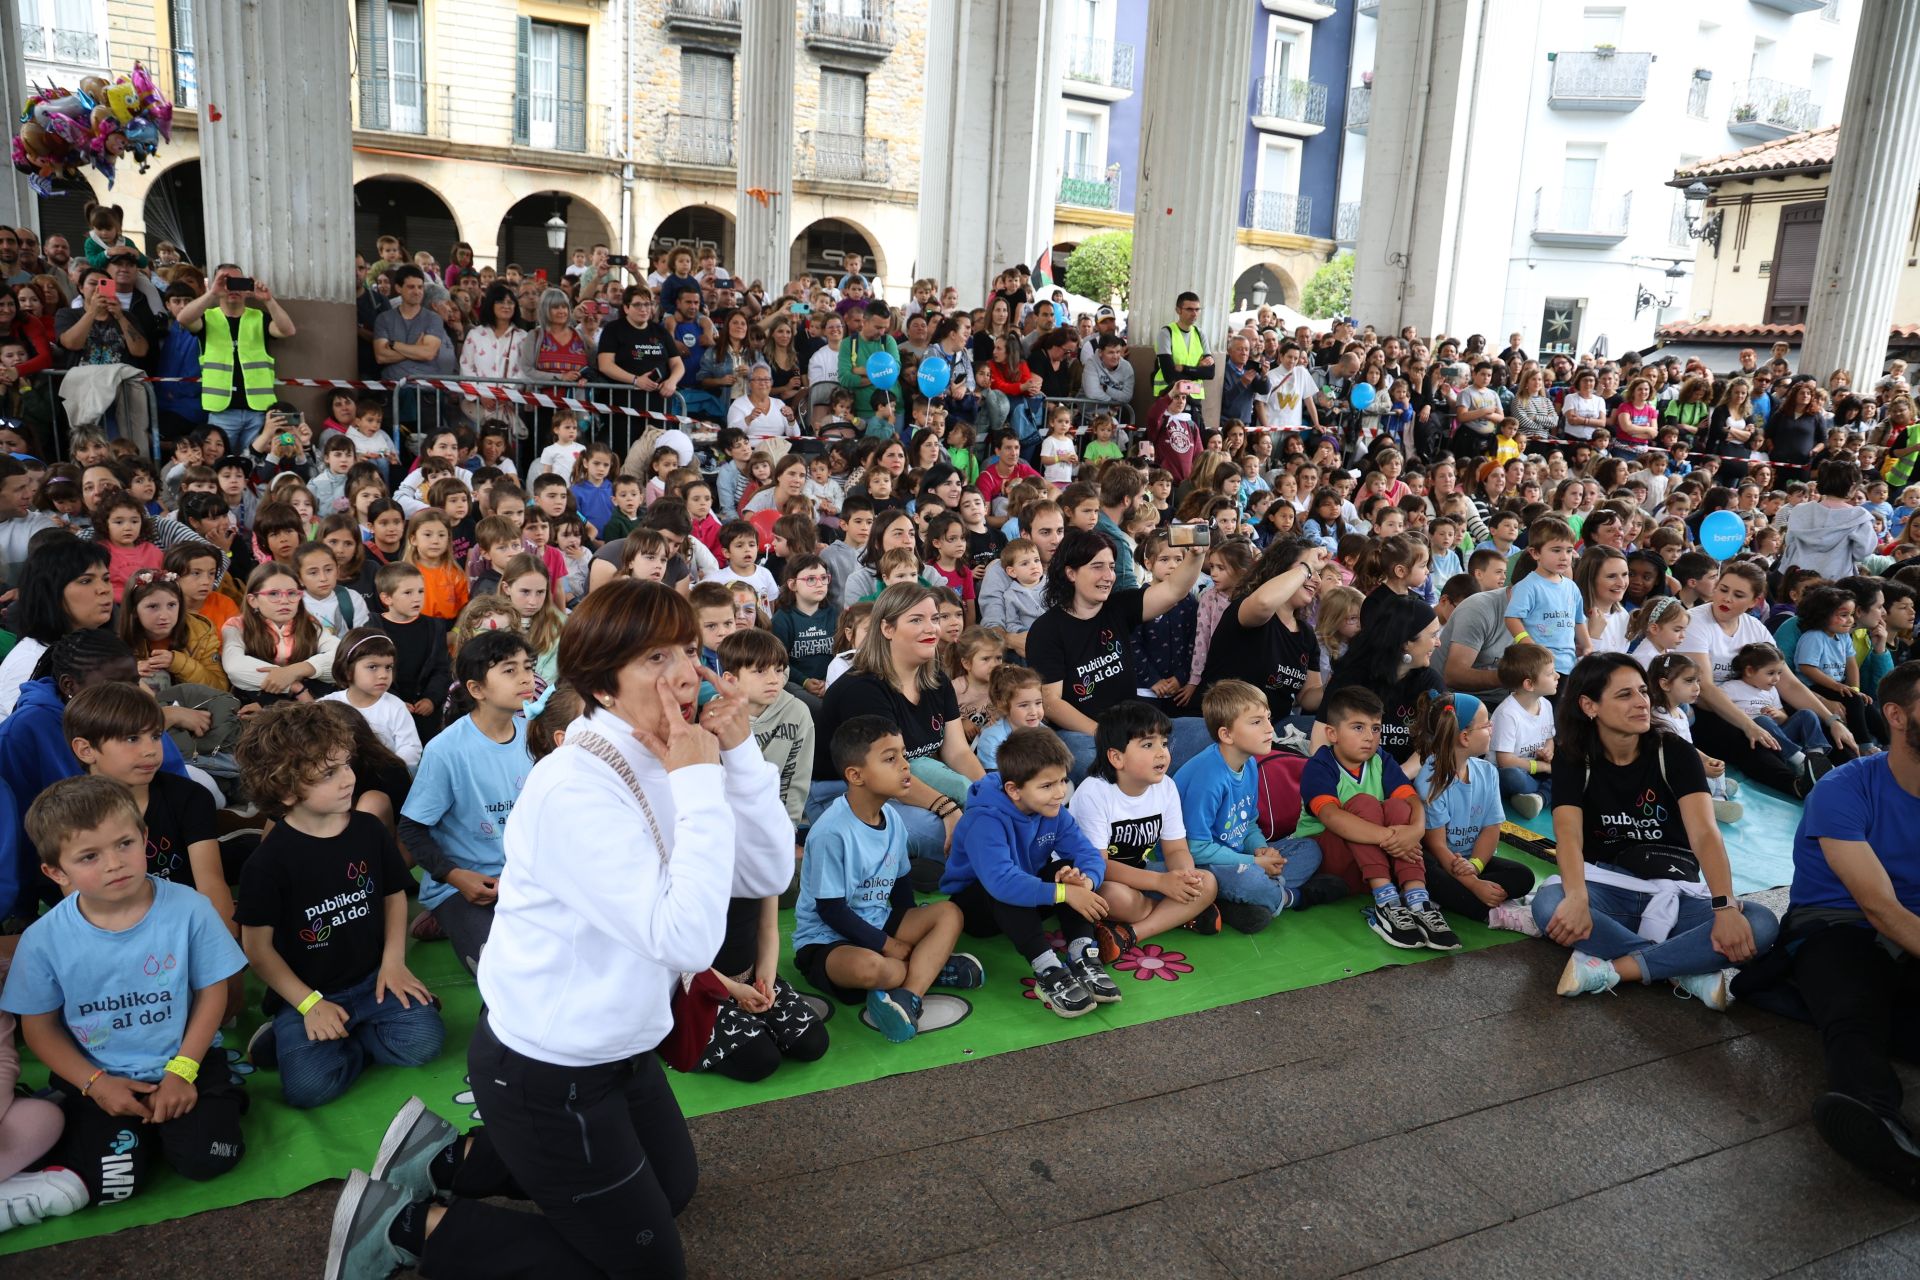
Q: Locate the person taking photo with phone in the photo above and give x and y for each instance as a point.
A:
(236, 318)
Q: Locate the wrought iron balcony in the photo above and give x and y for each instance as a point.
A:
(1088, 187)
(1279, 211)
(1599, 80)
(1099, 64)
(1359, 107)
(402, 104)
(843, 157)
(1284, 105)
(697, 140)
(1765, 109)
(1580, 217)
(704, 17)
(1346, 227)
(868, 33)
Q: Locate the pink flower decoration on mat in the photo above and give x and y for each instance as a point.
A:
(1148, 962)
(1027, 991)
(1056, 939)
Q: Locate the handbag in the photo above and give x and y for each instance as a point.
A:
(697, 997)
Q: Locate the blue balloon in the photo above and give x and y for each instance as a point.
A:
(883, 370)
(936, 375)
(1722, 534)
(1361, 395)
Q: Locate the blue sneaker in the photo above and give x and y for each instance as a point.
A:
(962, 972)
(357, 1246)
(414, 1140)
(892, 1015)
(1587, 975)
(1714, 990)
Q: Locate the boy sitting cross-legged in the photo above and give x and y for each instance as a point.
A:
(1129, 808)
(1220, 794)
(323, 915)
(120, 991)
(856, 931)
(1016, 858)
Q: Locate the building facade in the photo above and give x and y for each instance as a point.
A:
(477, 121)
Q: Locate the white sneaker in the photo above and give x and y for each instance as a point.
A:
(1514, 916)
(28, 1198)
(1587, 975)
(1527, 804)
(1733, 788)
(1714, 990)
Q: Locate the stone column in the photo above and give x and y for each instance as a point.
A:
(1192, 135)
(18, 205)
(1876, 172)
(765, 236)
(276, 164)
(990, 165)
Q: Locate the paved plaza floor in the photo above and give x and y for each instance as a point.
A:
(1451, 1119)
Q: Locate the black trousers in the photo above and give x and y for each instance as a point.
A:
(1867, 1006)
(983, 915)
(114, 1154)
(1864, 720)
(602, 1150)
(1718, 738)
(1455, 898)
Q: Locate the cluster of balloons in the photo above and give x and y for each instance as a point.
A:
(936, 375)
(63, 131)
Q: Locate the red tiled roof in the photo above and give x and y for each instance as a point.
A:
(1696, 332)
(1811, 150)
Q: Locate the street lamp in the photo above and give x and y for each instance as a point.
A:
(1697, 194)
(557, 241)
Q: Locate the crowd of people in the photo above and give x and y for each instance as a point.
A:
(999, 645)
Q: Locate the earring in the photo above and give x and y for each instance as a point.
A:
(1406, 657)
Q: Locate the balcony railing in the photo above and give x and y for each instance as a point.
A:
(1599, 80)
(1279, 211)
(172, 70)
(843, 157)
(402, 104)
(1088, 187)
(1346, 225)
(1697, 90)
(1766, 109)
(1282, 98)
(1579, 216)
(1100, 62)
(704, 17)
(58, 44)
(1359, 107)
(868, 33)
(1792, 6)
(697, 140)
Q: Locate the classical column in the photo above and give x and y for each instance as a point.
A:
(990, 165)
(276, 164)
(1192, 135)
(1870, 199)
(18, 207)
(766, 142)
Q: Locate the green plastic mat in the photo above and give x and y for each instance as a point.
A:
(1177, 973)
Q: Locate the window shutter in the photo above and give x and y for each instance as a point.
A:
(1790, 285)
(376, 70)
(522, 108)
(572, 89)
(843, 103)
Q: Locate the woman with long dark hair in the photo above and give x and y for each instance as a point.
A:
(1393, 656)
(64, 587)
(1644, 892)
(1264, 637)
(1796, 429)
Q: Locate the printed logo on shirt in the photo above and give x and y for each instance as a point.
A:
(1648, 822)
(156, 967)
(162, 858)
(1180, 435)
(1105, 665)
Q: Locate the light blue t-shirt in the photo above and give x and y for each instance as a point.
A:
(1465, 809)
(1221, 807)
(1548, 610)
(987, 745)
(126, 996)
(848, 859)
(1825, 651)
(465, 787)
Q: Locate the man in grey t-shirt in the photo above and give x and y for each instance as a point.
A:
(1471, 644)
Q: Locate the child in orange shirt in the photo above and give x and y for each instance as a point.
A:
(429, 548)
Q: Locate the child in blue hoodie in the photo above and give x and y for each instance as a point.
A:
(1220, 798)
(1017, 857)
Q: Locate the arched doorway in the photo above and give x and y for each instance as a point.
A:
(522, 237)
(822, 248)
(407, 210)
(65, 212)
(696, 227)
(173, 212)
(1263, 285)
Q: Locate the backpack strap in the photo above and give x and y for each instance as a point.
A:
(595, 745)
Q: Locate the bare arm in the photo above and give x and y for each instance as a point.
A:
(1162, 596)
(1061, 714)
(1862, 872)
(1459, 673)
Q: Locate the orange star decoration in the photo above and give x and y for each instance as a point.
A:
(761, 194)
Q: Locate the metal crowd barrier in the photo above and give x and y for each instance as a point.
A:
(44, 419)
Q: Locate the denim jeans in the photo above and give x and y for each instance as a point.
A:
(1518, 782)
(943, 778)
(1189, 739)
(1244, 881)
(926, 834)
(239, 425)
(1687, 950)
(315, 1072)
(1802, 729)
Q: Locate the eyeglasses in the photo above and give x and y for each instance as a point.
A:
(813, 579)
(278, 595)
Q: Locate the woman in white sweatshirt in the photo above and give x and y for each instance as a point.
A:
(621, 854)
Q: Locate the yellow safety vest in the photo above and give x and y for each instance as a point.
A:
(1900, 470)
(217, 360)
(1187, 351)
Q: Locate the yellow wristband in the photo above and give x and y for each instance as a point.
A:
(1533, 767)
(1059, 892)
(1479, 864)
(1522, 636)
(306, 1006)
(186, 1068)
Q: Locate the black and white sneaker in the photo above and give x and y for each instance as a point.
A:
(1094, 979)
(1395, 925)
(1435, 935)
(1061, 992)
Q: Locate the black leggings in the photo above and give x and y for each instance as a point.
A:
(602, 1150)
(1718, 738)
(1455, 898)
(1867, 1006)
(1864, 720)
(983, 915)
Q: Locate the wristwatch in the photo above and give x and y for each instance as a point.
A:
(1721, 902)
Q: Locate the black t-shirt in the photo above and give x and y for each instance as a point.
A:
(1400, 698)
(1268, 656)
(325, 900)
(180, 815)
(1090, 657)
(1630, 814)
(637, 351)
(923, 725)
(1793, 438)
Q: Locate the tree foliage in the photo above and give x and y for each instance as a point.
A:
(1101, 266)
(1330, 291)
